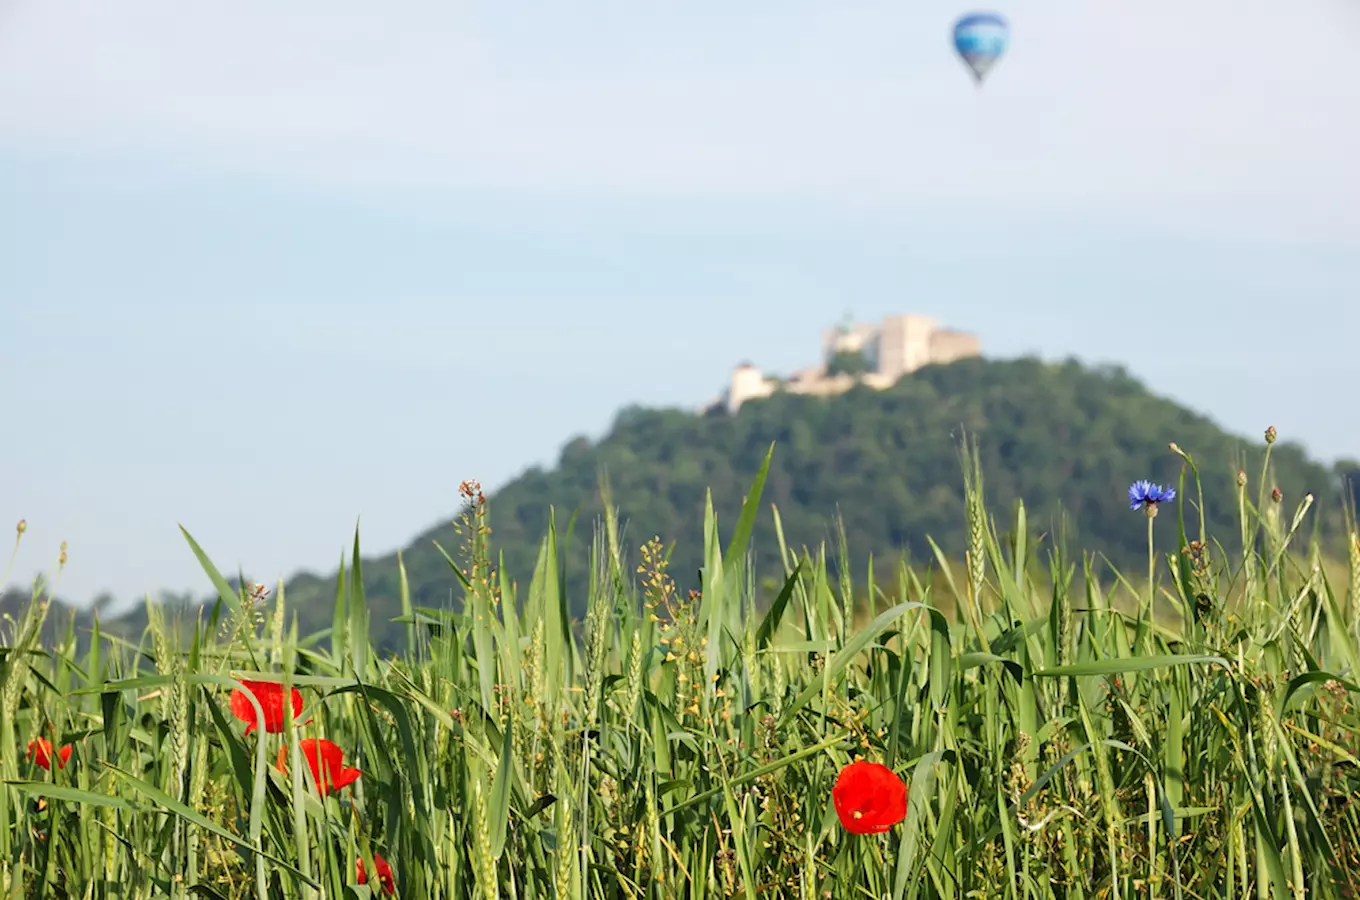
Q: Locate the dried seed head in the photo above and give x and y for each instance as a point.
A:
(1198, 553)
(471, 492)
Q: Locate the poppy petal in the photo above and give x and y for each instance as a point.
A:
(309, 750)
(327, 762)
(240, 706)
(345, 777)
(384, 873)
(40, 752)
(270, 695)
(332, 755)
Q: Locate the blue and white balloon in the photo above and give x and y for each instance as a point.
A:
(980, 40)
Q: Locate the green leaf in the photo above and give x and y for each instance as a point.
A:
(358, 615)
(848, 653)
(1128, 664)
(225, 593)
(918, 804)
(170, 804)
(770, 623)
(500, 793)
(750, 508)
(69, 794)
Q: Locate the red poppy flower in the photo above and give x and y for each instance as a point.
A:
(270, 695)
(337, 774)
(40, 751)
(869, 797)
(384, 873)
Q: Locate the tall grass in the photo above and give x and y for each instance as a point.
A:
(1060, 741)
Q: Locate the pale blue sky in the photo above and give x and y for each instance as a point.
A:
(263, 272)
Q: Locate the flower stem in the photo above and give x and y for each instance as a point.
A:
(1152, 574)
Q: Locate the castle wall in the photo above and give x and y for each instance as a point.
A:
(822, 387)
(747, 383)
(947, 346)
(899, 345)
(904, 344)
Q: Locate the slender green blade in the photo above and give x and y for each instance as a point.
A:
(1129, 664)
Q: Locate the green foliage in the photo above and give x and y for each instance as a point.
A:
(1066, 438)
(847, 362)
(1058, 738)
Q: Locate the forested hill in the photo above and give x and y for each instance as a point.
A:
(1062, 436)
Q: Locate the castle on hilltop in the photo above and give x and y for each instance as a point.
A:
(858, 353)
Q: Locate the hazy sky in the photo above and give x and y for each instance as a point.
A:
(267, 268)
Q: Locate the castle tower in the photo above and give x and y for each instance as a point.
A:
(904, 344)
(851, 337)
(747, 383)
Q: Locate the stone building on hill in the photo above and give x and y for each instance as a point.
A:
(875, 355)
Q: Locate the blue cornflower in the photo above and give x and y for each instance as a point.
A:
(1146, 495)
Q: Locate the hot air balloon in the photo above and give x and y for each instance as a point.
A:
(980, 39)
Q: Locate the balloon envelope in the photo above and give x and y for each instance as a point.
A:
(980, 39)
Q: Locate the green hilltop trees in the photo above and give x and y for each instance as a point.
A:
(1066, 437)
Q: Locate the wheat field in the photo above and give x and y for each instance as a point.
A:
(1052, 733)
